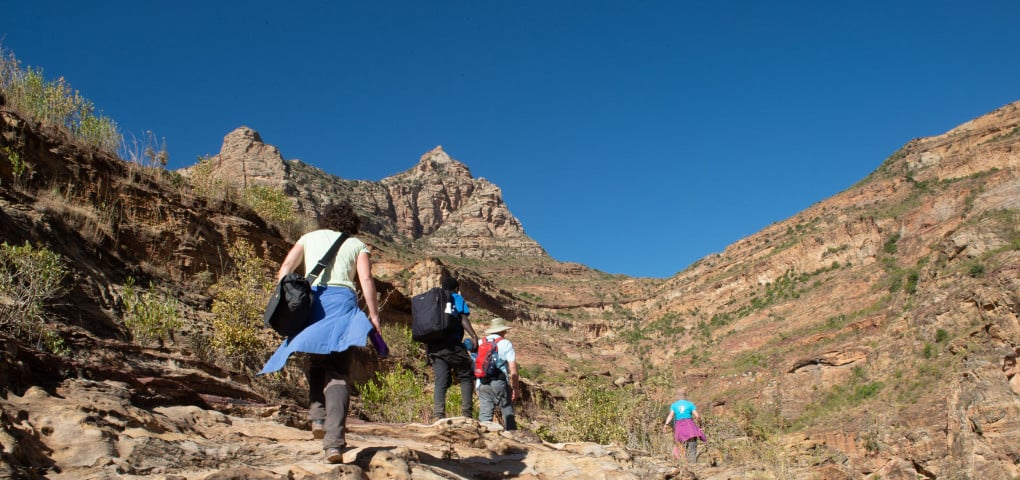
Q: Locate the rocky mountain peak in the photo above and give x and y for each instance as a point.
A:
(438, 162)
(439, 203)
(410, 206)
(244, 159)
(436, 155)
(242, 135)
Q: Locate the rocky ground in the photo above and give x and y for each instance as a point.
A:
(90, 430)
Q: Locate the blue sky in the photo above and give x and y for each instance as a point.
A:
(635, 137)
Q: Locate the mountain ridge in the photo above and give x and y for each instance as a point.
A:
(410, 207)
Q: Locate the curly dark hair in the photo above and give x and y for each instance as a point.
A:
(340, 217)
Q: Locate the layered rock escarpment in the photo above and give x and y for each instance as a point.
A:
(437, 205)
(907, 283)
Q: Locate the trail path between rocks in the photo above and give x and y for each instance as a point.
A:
(90, 430)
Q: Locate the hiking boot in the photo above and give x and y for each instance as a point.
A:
(334, 455)
(318, 429)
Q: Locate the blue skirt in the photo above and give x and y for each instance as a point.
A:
(337, 324)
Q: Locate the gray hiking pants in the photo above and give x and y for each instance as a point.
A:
(691, 449)
(496, 394)
(329, 395)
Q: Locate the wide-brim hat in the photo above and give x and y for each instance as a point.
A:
(498, 325)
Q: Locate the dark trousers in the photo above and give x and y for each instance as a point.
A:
(329, 395)
(457, 360)
(691, 449)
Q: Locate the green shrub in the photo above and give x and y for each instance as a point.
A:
(95, 129)
(276, 208)
(835, 250)
(396, 396)
(150, 315)
(890, 244)
(871, 442)
(533, 372)
(204, 182)
(398, 338)
(30, 278)
(866, 391)
(597, 413)
(453, 397)
(757, 423)
(54, 343)
(239, 301)
(912, 277)
(941, 335)
(749, 361)
(55, 103)
(896, 284)
(841, 398)
(19, 169)
(270, 203)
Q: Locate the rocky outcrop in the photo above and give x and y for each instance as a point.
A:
(436, 205)
(425, 196)
(453, 214)
(245, 160)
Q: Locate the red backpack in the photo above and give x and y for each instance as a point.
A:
(487, 361)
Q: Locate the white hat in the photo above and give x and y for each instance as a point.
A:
(498, 325)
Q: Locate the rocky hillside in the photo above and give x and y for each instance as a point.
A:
(880, 325)
(873, 335)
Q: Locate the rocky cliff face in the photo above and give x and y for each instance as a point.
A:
(904, 288)
(873, 335)
(436, 205)
(245, 159)
(451, 213)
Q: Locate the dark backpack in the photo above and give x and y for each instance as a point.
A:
(430, 321)
(487, 360)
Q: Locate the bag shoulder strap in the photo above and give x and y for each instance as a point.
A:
(327, 258)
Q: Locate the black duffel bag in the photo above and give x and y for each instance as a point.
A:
(290, 307)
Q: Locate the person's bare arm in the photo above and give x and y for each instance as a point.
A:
(294, 258)
(515, 383)
(669, 418)
(696, 416)
(368, 287)
(469, 329)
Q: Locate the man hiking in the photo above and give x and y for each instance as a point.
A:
(504, 388)
(449, 355)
